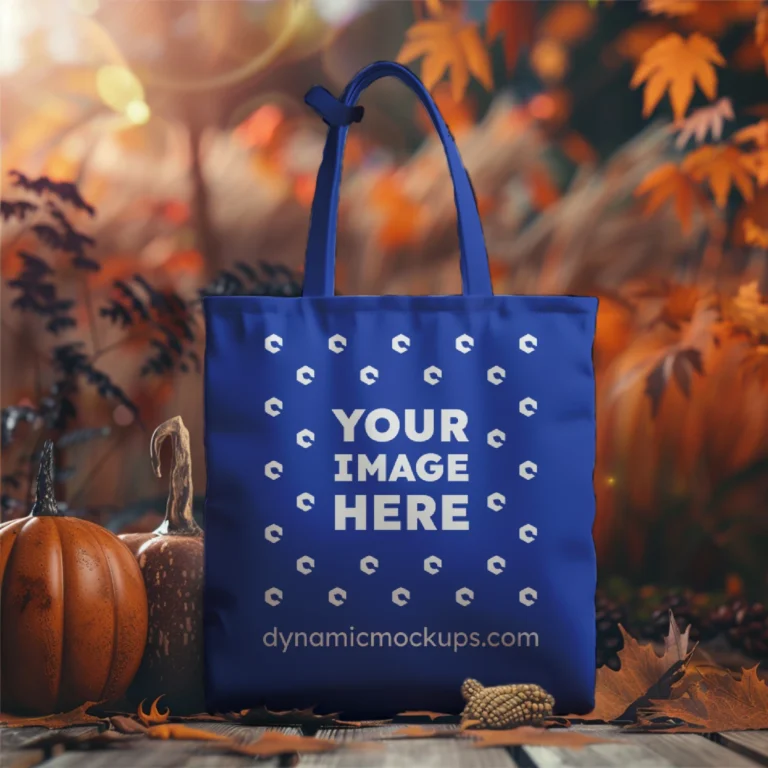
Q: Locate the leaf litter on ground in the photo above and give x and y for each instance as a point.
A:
(643, 674)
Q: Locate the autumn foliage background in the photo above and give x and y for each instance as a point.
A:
(617, 149)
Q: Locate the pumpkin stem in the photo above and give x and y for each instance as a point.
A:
(45, 501)
(178, 511)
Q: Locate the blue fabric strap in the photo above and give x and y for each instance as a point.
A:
(321, 248)
(333, 111)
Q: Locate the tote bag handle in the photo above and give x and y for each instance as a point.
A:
(320, 260)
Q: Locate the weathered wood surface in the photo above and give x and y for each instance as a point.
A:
(726, 750)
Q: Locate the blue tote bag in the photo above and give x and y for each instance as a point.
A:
(399, 488)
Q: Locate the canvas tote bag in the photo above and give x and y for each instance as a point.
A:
(399, 488)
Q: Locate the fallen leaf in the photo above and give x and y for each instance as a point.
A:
(124, 724)
(707, 120)
(676, 64)
(514, 22)
(423, 713)
(449, 45)
(527, 735)
(78, 716)
(642, 670)
(177, 731)
(670, 7)
(717, 702)
(468, 724)
(755, 234)
(668, 184)
(153, 717)
(297, 717)
(273, 743)
(722, 166)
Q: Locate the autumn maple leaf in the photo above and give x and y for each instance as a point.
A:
(703, 121)
(717, 701)
(514, 22)
(754, 234)
(448, 44)
(722, 167)
(761, 34)
(642, 670)
(756, 133)
(669, 184)
(677, 65)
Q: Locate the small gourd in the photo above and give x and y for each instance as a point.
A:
(74, 609)
(505, 706)
(171, 561)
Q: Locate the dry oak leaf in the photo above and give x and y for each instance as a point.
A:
(707, 120)
(721, 166)
(451, 45)
(153, 717)
(642, 670)
(677, 65)
(754, 234)
(78, 716)
(668, 183)
(515, 23)
(717, 702)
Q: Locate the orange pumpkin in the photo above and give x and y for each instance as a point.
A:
(171, 561)
(74, 609)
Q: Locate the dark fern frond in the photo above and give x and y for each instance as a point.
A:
(16, 209)
(66, 191)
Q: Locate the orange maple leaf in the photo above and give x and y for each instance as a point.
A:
(706, 120)
(754, 234)
(757, 133)
(448, 44)
(641, 669)
(515, 23)
(677, 65)
(722, 166)
(757, 164)
(669, 184)
(761, 34)
(717, 701)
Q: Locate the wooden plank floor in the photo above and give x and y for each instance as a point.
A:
(726, 750)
